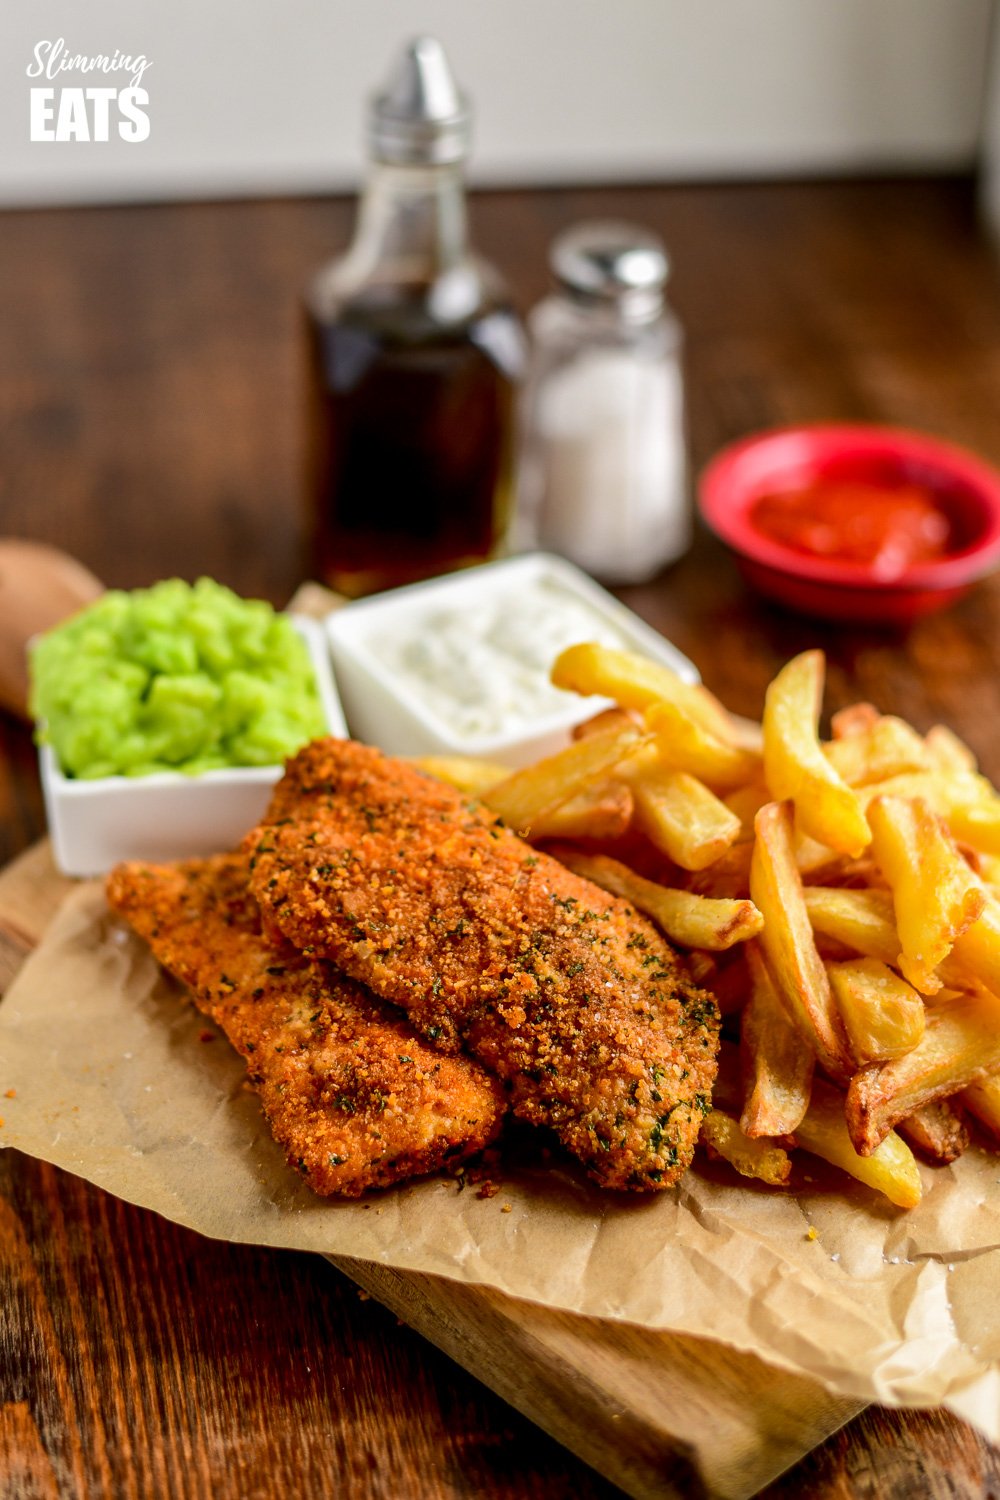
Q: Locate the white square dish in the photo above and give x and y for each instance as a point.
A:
(536, 604)
(95, 824)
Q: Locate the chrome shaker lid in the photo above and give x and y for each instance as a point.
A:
(421, 117)
(606, 261)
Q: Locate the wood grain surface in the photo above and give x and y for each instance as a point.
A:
(149, 388)
(658, 1414)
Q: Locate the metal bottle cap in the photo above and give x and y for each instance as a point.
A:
(608, 262)
(421, 118)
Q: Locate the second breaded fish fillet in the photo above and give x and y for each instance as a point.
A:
(561, 990)
(352, 1095)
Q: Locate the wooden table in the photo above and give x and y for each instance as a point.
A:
(148, 400)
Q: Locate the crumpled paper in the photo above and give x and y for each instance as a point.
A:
(113, 1080)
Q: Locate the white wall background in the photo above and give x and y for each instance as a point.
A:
(261, 96)
(990, 137)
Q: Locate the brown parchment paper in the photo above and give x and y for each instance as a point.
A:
(113, 1081)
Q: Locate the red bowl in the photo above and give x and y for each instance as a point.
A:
(964, 487)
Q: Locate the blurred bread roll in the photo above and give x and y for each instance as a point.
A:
(39, 586)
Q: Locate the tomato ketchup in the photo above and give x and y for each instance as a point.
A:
(886, 528)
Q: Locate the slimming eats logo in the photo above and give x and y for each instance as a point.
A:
(92, 112)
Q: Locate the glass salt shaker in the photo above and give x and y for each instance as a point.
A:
(603, 474)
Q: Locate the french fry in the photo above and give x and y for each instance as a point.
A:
(787, 939)
(463, 772)
(635, 681)
(976, 823)
(972, 857)
(935, 894)
(960, 1045)
(682, 817)
(989, 869)
(692, 921)
(938, 1131)
(608, 718)
(946, 751)
(523, 798)
(944, 790)
(966, 801)
(813, 859)
(746, 802)
(856, 718)
(765, 1160)
(686, 745)
(728, 876)
(890, 747)
(976, 952)
(884, 1016)
(747, 733)
(899, 837)
(777, 1069)
(983, 1100)
(862, 920)
(889, 1169)
(794, 764)
(603, 811)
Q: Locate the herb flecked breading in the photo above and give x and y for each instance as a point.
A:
(353, 1097)
(563, 992)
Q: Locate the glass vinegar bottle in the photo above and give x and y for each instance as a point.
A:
(415, 353)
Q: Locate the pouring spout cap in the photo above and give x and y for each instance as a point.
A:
(421, 117)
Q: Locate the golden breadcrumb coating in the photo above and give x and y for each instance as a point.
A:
(561, 990)
(352, 1095)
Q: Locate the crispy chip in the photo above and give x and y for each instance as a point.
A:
(634, 681)
(602, 811)
(879, 848)
(608, 718)
(526, 795)
(888, 748)
(777, 1069)
(884, 1015)
(690, 920)
(947, 751)
(682, 817)
(935, 894)
(463, 772)
(856, 718)
(889, 1168)
(975, 954)
(938, 1131)
(860, 919)
(983, 1100)
(765, 1160)
(961, 1045)
(686, 745)
(967, 802)
(746, 802)
(794, 764)
(789, 946)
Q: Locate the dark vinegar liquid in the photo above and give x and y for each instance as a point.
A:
(411, 443)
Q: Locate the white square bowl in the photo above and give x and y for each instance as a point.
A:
(95, 824)
(386, 709)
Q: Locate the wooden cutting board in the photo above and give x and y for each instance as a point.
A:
(658, 1415)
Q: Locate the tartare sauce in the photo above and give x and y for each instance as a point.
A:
(483, 669)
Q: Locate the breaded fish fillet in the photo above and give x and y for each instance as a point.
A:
(352, 1095)
(561, 990)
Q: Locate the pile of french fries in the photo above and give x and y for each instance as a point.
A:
(840, 897)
